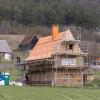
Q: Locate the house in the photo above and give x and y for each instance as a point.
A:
(57, 60)
(26, 45)
(5, 51)
(28, 42)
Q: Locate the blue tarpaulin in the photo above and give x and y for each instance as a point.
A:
(1, 77)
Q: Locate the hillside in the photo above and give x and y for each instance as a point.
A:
(32, 13)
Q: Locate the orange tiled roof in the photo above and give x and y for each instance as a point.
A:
(44, 47)
(98, 59)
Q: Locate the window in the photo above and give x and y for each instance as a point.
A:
(66, 76)
(72, 61)
(70, 47)
(71, 75)
(69, 61)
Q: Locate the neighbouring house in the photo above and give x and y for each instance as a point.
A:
(13, 41)
(26, 46)
(5, 51)
(57, 60)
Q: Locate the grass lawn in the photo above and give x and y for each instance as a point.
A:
(45, 93)
(48, 93)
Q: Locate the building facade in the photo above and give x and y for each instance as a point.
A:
(57, 60)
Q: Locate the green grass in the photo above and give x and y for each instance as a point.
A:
(48, 93)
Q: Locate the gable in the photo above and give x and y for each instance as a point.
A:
(68, 36)
(4, 47)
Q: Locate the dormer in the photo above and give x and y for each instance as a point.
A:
(68, 37)
(69, 44)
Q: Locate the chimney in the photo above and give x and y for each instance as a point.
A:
(55, 31)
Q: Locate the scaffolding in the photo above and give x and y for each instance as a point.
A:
(52, 71)
(67, 76)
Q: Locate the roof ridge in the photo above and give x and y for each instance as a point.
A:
(49, 41)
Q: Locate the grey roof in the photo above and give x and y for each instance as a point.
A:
(4, 47)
